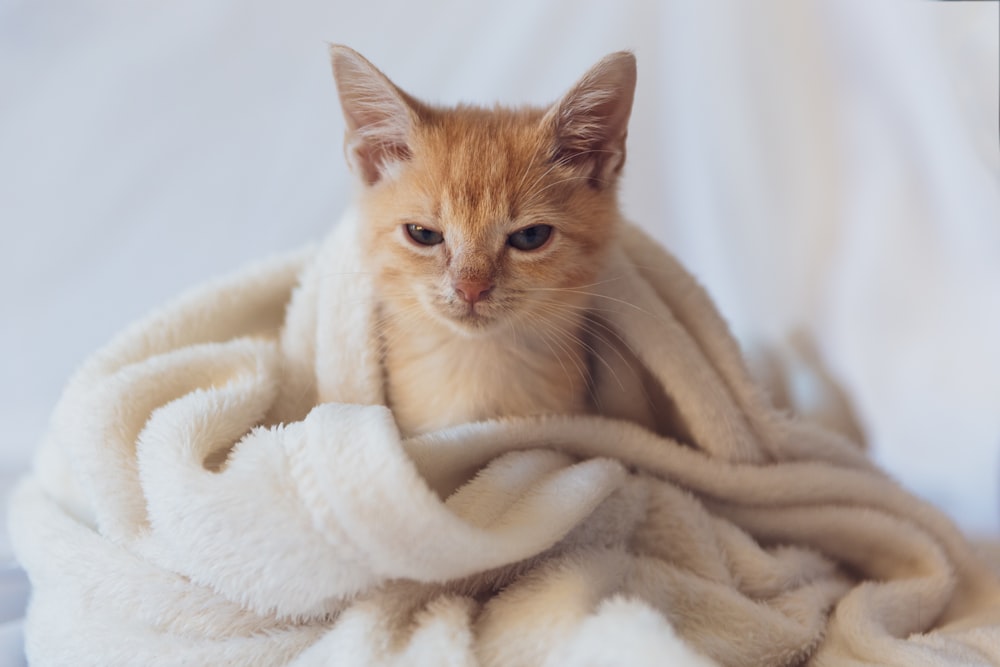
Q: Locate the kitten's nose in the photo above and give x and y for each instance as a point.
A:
(472, 291)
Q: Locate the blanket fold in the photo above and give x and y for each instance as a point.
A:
(223, 484)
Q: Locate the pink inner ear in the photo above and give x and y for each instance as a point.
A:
(379, 116)
(591, 121)
(599, 156)
(379, 136)
(371, 160)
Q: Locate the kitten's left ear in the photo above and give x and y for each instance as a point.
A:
(590, 122)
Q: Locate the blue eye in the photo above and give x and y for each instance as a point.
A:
(530, 238)
(423, 236)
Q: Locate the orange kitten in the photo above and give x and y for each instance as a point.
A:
(483, 229)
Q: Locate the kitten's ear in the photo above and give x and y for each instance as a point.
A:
(380, 117)
(590, 122)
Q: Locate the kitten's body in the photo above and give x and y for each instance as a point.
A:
(485, 230)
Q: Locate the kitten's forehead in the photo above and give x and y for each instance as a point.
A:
(483, 163)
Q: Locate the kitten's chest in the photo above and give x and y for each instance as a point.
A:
(439, 381)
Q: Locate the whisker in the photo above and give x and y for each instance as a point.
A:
(530, 196)
(591, 324)
(580, 367)
(545, 340)
(567, 332)
(553, 312)
(524, 176)
(586, 372)
(598, 295)
(590, 310)
(537, 193)
(561, 162)
(593, 284)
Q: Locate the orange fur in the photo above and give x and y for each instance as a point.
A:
(476, 176)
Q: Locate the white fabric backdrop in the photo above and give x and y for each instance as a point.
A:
(824, 167)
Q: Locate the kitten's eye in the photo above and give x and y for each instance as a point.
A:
(424, 236)
(530, 238)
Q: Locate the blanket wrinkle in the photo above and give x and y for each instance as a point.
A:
(223, 484)
(785, 438)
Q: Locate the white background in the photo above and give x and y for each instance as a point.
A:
(827, 168)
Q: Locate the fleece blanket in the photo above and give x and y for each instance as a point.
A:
(224, 485)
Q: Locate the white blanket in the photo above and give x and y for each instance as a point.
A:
(222, 485)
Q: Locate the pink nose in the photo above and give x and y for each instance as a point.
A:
(472, 291)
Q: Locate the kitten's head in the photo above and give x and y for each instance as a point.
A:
(478, 217)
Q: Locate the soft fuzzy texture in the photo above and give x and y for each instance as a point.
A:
(322, 538)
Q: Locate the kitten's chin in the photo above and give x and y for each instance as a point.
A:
(466, 323)
(479, 321)
(471, 325)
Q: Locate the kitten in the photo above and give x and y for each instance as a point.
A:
(484, 229)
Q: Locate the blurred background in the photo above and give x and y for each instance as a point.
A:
(829, 170)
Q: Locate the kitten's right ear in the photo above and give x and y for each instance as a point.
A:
(380, 117)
